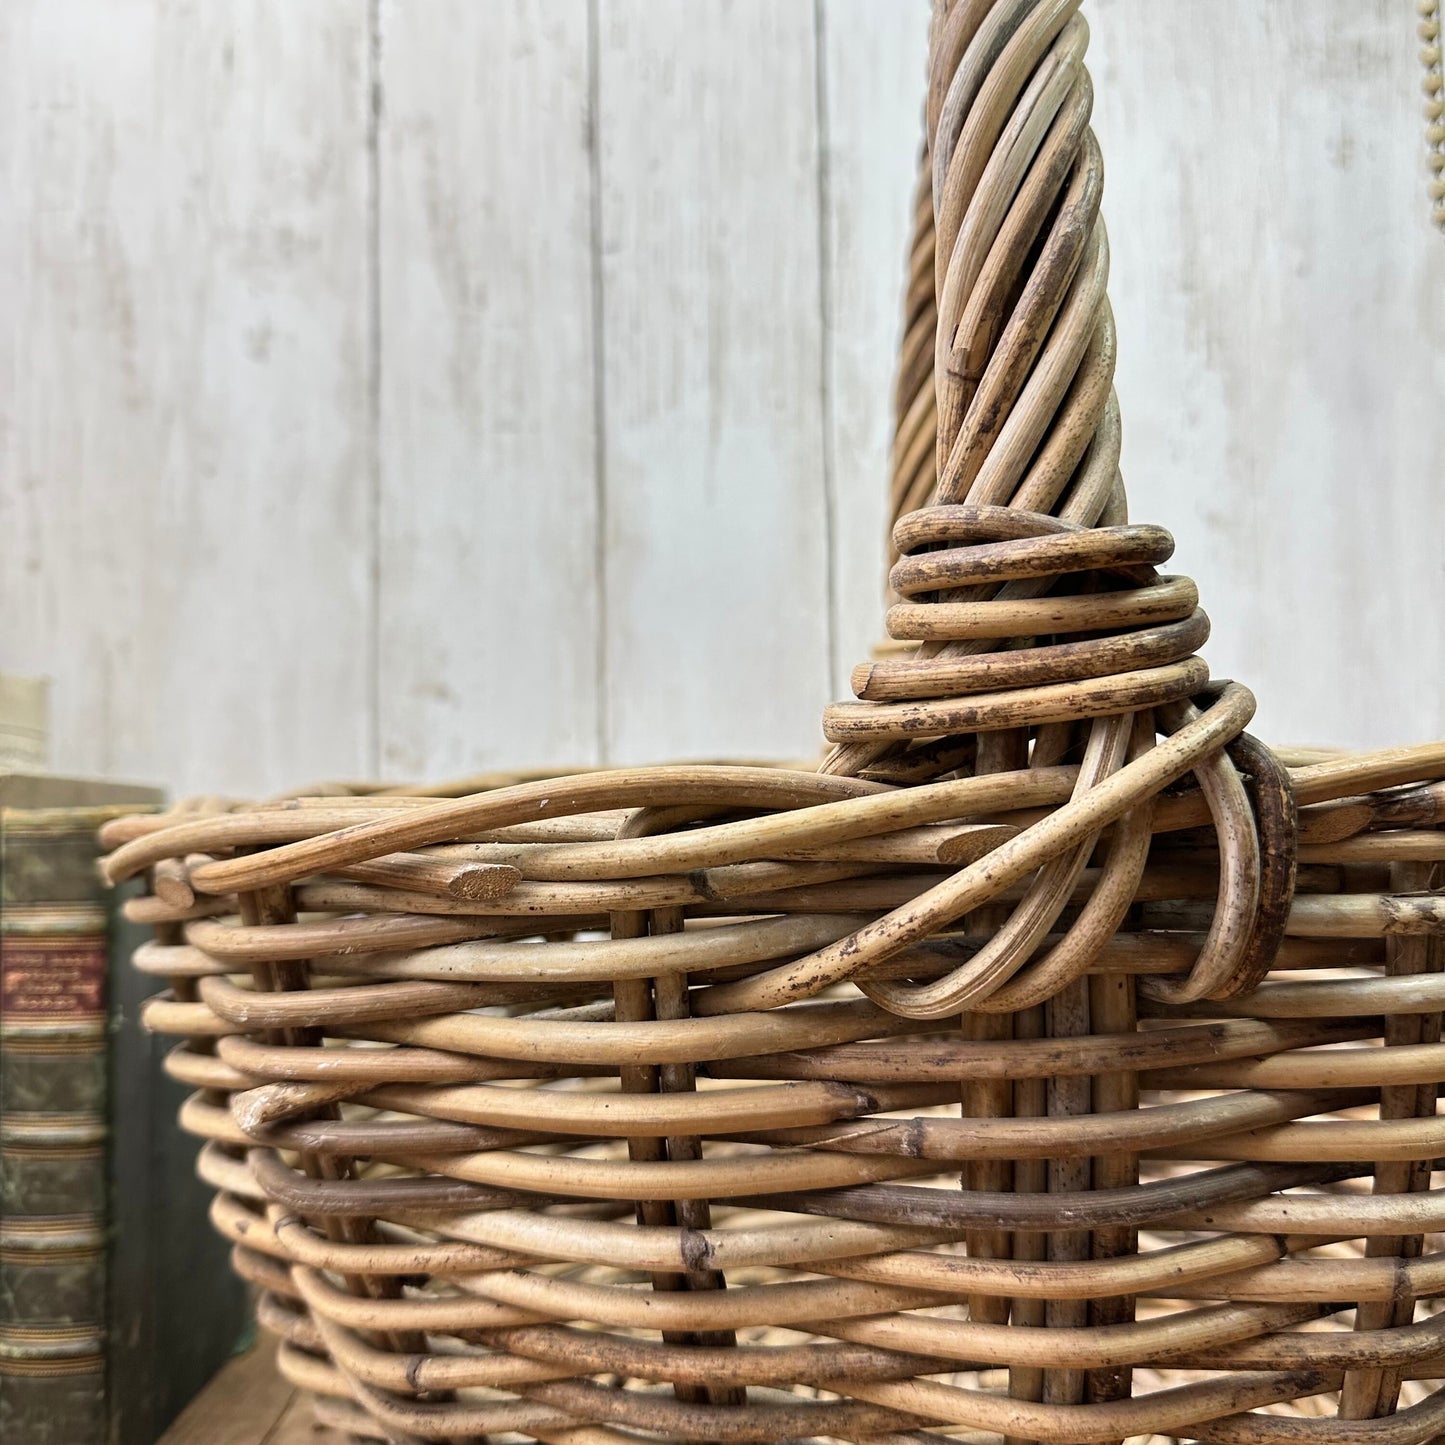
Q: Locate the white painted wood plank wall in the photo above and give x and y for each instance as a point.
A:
(712, 443)
(1281, 307)
(183, 384)
(414, 389)
(488, 564)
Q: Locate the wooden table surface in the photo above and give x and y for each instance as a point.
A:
(248, 1403)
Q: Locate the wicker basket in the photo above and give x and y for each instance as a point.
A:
(635, 1106)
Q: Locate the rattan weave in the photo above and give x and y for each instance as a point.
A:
(1055, 1063)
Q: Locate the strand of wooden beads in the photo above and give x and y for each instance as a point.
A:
(1430, 56)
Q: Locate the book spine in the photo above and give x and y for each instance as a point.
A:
(53, 971)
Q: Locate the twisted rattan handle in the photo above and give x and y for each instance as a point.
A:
(1041, 624)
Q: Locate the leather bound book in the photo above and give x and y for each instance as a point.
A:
(54, 958)
(99, 1344)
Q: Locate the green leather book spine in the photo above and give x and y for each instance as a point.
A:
(54, 961)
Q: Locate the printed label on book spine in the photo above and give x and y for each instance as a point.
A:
(52, 978)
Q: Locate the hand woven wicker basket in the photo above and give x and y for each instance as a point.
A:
(1056, 1063)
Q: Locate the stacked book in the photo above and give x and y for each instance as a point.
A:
(116, 1304)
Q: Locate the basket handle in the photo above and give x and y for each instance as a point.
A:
(1029, 619)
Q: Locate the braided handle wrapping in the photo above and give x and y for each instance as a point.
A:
(1031, 624)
